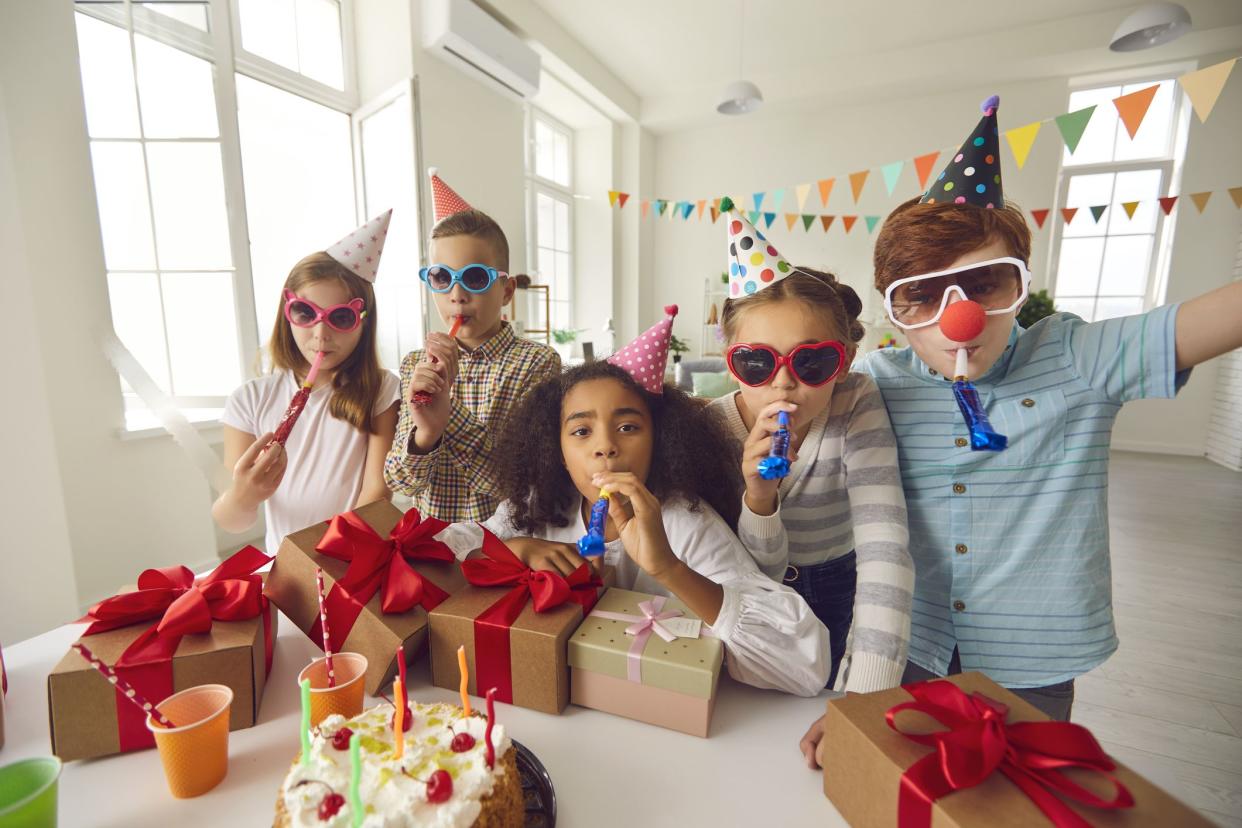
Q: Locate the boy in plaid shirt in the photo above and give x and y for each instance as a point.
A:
(442, 453)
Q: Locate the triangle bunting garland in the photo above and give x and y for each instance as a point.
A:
(1204, 86)
(1072, 125)
(872, 221)
(924, 165)
(825, 189)
(1040, 217)
(891, 173)
(1133, 107)
(1201, 199)
(1020, 140)
(826, 221)
(1129, 207)
(857, 181)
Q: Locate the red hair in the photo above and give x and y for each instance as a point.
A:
(920, 238)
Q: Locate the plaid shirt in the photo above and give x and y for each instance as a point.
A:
(455, 481)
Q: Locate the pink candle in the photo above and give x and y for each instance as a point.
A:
(487, 733)
(323, 624)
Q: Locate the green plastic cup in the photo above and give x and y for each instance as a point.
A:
(28, 793)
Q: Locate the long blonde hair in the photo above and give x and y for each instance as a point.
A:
(357, 381)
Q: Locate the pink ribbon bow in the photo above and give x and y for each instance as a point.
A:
(641, 629)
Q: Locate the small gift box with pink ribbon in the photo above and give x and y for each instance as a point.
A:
(963, 751)
(646, 657)
(383, 571)
(172, 632)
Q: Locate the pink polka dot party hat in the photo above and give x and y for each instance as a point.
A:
(444, 199)
(645, 358)
(973, 175)
(754, 262)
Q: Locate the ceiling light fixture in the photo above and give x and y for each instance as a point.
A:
(1151, 25)
(741, 96)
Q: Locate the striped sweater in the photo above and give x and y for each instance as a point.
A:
(844, 493)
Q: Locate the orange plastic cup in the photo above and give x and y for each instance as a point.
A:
(195, 754)
(346, 697)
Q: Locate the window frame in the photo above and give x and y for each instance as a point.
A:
(536, 185)
(1169, 166)
(220, 47)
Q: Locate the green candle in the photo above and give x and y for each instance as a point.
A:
(355, 778)
(306, 738)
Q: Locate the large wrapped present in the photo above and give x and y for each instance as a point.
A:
(514, 623)
(383, 572)
(963, 751)
(170, 633)
(646, 657)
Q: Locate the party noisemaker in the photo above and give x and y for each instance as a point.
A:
(776, 464)
(421, 398)
(962, 322)
(298, 402)
(592, 543)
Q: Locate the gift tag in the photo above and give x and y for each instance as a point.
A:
(683, 627)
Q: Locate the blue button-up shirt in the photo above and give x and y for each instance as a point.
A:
(1011, 548)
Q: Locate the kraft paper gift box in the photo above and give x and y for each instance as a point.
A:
(88, 716)
(878, 776)
(645, 657)
(514, 624)
(383, 571)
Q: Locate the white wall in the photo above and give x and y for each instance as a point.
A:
(122, 506)
(741, 156)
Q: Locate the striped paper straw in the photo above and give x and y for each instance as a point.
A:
(323, 623)
(124, 686)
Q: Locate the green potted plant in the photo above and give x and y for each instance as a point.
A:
(678, 346)
(1037, 306)
(564, 339)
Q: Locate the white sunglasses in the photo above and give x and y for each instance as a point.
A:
(989, 283)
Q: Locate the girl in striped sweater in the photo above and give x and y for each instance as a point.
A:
(834, 528)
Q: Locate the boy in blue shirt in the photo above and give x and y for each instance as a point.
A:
(1012, 572)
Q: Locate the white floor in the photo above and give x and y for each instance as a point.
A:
(1169, 702)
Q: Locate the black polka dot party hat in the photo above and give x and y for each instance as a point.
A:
(973, 175)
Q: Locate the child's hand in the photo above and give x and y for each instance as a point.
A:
(639, 521)
(444, 350)
(812, 743)
(546, 555)
(761, 494)
(259, 471)
(431, 418)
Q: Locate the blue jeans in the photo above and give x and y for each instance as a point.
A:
(829, 590)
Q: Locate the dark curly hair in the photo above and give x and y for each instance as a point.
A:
(692, 455)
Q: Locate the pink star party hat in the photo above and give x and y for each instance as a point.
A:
(644, 358)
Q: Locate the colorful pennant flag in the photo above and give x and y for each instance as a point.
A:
(1201, 199)
(826, 221)
(622, 198)
(1133, 107)
(1073, 125)
(768, 218)
(686, 209)
(778, 196)
(1167, 203)
(1204, 86)
(807, 221)
(801, 192)
(646, 207)
(1040, 217)
(1098, 211)
(1068, 214)
(1129, 207)
(790, 220)
(661, 206)
(872, 221)
(848, 221)
(754, 217)
(699, 206)
(758, 197)
(612, 198)
(715, 213)
(924, 165)
(891, 173)
(1020, 141)
(1236, 194)
(857, 180)
(825, 189)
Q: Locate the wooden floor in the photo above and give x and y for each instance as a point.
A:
(1169, 702)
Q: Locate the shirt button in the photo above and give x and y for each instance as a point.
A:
(1028, 402)
(960, 442)
(959, 606)
(931, 371)
(960, 549)
(959, 488)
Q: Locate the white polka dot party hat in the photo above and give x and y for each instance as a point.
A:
(360, 251)
(645, 358)
(754, 263)
(444, 199)
(973, 176)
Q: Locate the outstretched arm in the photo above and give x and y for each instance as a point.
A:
(1209, 325)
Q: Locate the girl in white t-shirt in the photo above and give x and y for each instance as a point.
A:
(333, 459)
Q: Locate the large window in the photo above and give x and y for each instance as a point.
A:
(1112, 257)
(223, 152)
(549, 185)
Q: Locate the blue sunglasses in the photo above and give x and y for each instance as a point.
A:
(475, 278)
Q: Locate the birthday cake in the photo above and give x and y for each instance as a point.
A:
(442, 778)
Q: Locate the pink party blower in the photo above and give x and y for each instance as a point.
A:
(421, 398)
(297, 403)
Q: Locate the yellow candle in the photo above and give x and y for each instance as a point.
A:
(465, 678)
(398, 695)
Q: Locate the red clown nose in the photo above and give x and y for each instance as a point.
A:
(963, 321)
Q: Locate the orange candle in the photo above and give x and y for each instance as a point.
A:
(465, 678)
(399, 717)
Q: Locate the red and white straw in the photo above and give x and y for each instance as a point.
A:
(124, 686)
(323, 624)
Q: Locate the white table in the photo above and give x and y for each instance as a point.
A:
(608, 771)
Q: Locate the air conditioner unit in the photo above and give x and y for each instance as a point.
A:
(464, 35)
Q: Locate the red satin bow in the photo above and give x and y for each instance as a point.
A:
(546, 590)
(379, 563)
(979, 742)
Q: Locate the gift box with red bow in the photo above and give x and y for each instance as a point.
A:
(646, 657)
(963, 751)
(383, 572)
(170, 633)
(514, 623)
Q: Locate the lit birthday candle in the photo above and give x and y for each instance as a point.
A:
(464, 671)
